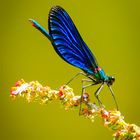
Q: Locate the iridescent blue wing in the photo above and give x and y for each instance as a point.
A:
(67, 41)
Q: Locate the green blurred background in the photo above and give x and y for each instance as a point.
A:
(111, 28)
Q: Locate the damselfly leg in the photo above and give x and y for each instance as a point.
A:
(113, 95)
(83, 91)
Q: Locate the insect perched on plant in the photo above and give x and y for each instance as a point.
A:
(70, 46)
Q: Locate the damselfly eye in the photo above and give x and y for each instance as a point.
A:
(111, 80)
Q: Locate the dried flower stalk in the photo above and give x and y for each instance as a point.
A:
(34, 91)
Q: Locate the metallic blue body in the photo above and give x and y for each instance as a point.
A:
(70, 46)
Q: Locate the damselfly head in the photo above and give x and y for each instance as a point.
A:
(111, 80)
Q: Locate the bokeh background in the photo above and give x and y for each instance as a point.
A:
(111, 28)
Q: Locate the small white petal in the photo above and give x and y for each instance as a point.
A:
(21, 89)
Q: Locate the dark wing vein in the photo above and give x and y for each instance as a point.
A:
(67, 41)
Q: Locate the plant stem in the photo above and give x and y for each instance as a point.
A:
(112, 119)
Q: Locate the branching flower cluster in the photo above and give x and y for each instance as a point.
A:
(34, 91)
